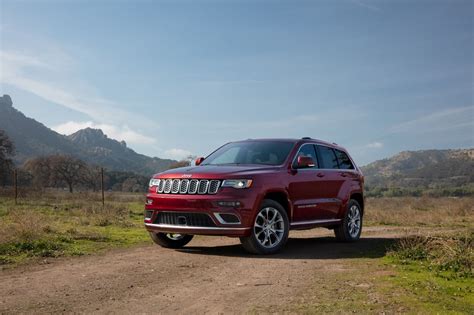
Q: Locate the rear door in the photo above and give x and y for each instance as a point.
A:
(333, 180)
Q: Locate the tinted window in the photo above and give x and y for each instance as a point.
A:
(251, 152)
(344, 161)
(328, 158)
(306, 150)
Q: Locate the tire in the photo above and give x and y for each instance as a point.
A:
(171, 240)
(351, 227)
(270, 230)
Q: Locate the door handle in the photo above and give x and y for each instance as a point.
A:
(343, 174)
(320, 175)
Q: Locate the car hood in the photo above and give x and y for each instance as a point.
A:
(212, 171)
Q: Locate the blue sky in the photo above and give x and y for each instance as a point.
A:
(179, 77)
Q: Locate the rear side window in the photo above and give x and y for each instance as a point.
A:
(328, 158)
(344, 161)
(306, 150)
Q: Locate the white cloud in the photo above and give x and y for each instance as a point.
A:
(49, 76)
(452, 118)
(374, 145)
(177, 154)
(123, 133)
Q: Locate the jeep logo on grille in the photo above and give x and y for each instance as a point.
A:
(186, 175)
(182, 220)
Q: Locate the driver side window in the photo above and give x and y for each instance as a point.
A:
(309, 151)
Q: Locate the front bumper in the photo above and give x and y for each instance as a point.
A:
(176, 204)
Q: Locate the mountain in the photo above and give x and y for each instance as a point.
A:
(32, 139)
(427, 169)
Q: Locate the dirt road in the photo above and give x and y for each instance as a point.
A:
(211, 275)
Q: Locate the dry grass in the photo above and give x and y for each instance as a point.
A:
(57, 223)
(423, 211)
(451, 254)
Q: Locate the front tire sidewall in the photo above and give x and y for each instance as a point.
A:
(164, 241)
(342, 231)
(252, 245)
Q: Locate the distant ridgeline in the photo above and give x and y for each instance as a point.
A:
(32, 139)
(416, 173)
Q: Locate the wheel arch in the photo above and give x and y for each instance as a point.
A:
(359, 197)
(281, 197)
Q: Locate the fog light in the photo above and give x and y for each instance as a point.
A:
(149, 201)
(228, 203)
(148, 214)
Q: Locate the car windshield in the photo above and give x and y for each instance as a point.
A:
(251, 152)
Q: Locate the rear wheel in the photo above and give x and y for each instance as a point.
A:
(351, 226)
(171, 240)
(270, 230)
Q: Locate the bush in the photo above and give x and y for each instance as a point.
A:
(454, 255)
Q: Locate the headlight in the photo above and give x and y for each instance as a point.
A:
(237, 183)
(154, 182)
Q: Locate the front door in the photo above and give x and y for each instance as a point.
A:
(308, 189)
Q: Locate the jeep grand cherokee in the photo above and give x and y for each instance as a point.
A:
(258, 190)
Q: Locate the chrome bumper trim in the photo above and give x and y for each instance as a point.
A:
(316, 222)
(221, 221)
(185, 227)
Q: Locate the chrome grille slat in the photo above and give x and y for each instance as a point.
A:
(188, 186)
(193, 186)
(213, 186)
(167, 188)
(203, 186)
(161, 186)
(183, 188)
(175, 186)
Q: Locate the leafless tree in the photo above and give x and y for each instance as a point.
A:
(57, 170)
(7, 151)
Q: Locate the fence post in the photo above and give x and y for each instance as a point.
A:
(102, 185)
(15, 185)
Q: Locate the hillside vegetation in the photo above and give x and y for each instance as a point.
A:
(428, 172)
(33, 139)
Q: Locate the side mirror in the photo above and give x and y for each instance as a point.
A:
(199, 161)
(305, 162)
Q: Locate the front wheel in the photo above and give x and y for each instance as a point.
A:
(351, 226)
(171, 240)
(270, 230)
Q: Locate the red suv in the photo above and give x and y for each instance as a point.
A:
(258, 190)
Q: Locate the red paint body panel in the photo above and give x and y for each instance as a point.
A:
(312, 197)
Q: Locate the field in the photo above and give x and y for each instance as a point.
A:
(416, 256)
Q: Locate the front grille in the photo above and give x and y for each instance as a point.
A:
(188, 186)
(178, 218)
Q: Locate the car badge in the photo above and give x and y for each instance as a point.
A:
(186, 175)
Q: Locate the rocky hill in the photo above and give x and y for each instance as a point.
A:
(32, 139)
(425, 169)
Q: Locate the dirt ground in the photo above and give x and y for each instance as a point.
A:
(210, 275)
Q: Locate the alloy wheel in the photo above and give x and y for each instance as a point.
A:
(353, 221)
(269, 227)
